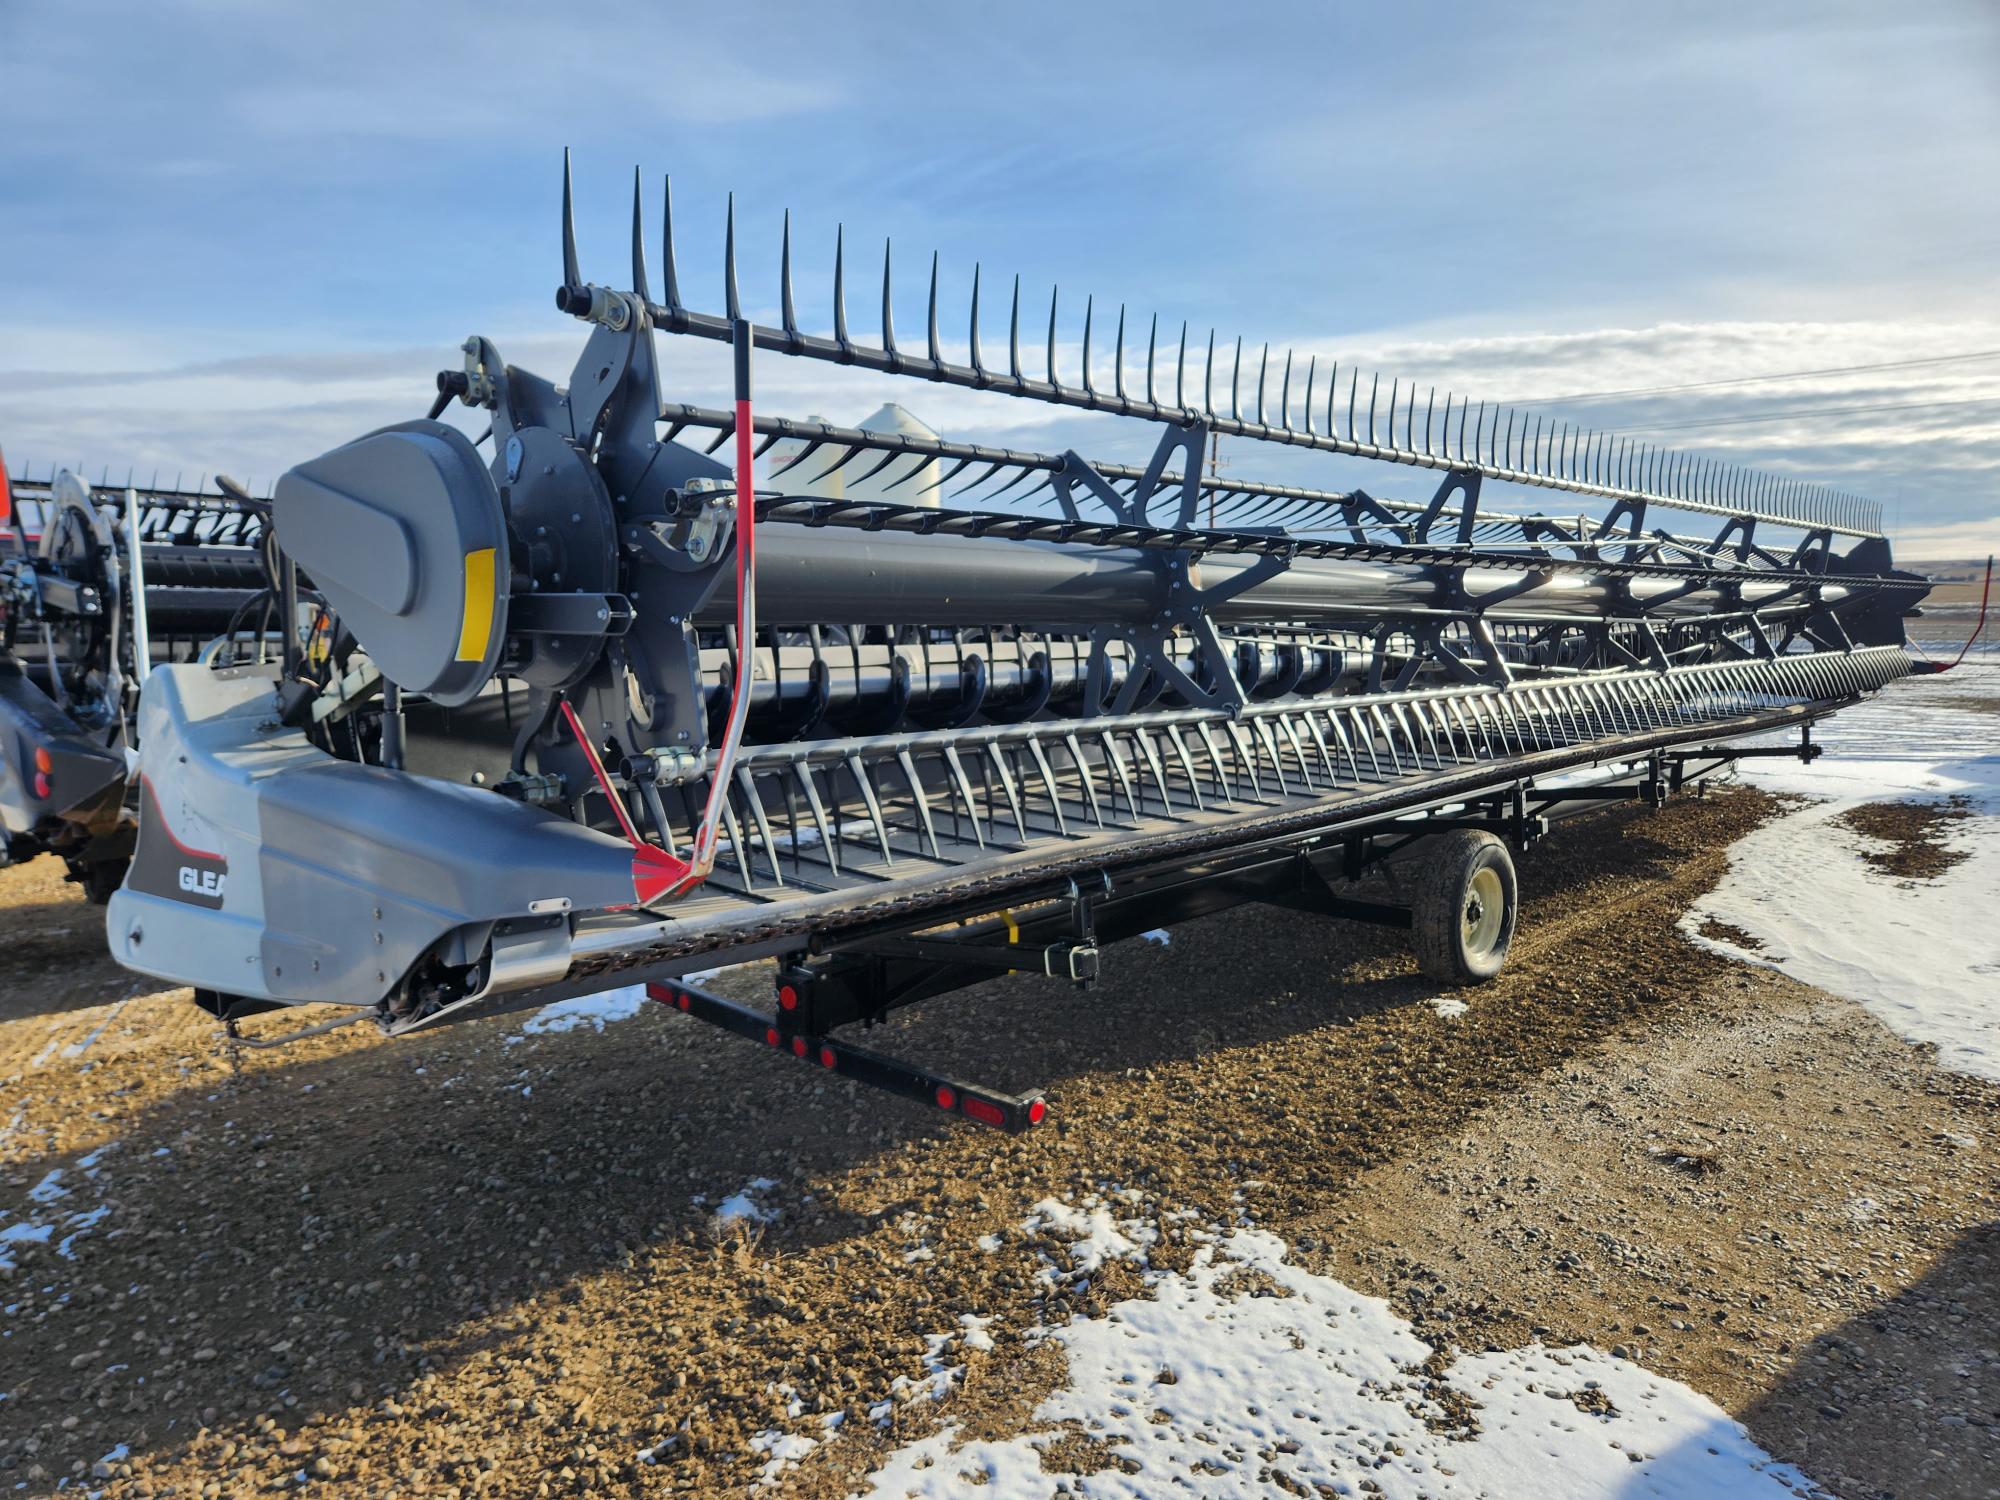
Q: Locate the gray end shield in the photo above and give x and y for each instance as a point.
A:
(267, 868)
(405, 534)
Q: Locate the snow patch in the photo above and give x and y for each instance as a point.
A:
(594, 1011)
(1091, 1234)
(746, 1206)
(1815, 909)
(1246, 1368)
(785, 1450)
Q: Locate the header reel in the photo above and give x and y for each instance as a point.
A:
(592, 755)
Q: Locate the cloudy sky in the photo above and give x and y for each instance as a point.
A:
(237, 234)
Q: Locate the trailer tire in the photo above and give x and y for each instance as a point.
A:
(1462, 919)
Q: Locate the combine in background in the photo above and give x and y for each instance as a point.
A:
(96, 589)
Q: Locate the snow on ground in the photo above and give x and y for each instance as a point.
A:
(1923, 956)
(587, 1010)
(1246, 1368)
(43, 1216)
(596, 1010)
(747, 1205)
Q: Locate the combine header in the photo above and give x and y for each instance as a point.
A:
(594, 711)
(96, 587)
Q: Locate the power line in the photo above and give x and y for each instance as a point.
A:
(1813, 411)
(1703, 385)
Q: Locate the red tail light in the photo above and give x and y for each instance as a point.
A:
(684, 1000)
(771, 1036)
(947, 1098)
(42, 785)
(1036, 1111)
(827, 1058)
(798, 1046)
(984, 1111)
(788, 998)
(44, 762)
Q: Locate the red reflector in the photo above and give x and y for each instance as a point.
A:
(685, 1001)
(44, 762)
(41, 784)
(1036, 1111)
(827, 1058)
(984, 1111)
(946, 1098)
(798, 1046)
(771, 1036)
(788, 998)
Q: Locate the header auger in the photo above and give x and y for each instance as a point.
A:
(593, 710)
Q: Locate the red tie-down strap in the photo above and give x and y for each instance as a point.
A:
(656, 874)
(1985, 594)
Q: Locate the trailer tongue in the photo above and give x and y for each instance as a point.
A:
(590, 710)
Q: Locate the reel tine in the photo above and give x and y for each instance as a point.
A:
(1263, 369)
(1430, 410)
(790, 312)
(1055, 380)
(1208, 379)
(1152, 344)
(1089, 303)
(639, 282)
(1374, 385)
(888, 458)
(734, 304)
(1332, 389)
(1236, 383)
(1312, 369)
(937, 484)
(812, 446)
(1118, 357)
(978, 364)
(840, 337)
(1409, 418)
(1353, 385)
(888, 316)
(992, 469)
(1014, 333)
(668, 269)
(847, 456)
(1025, 473)
(1180, 368)
(937, 357)
(571, 275)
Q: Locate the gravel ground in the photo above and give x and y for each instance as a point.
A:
(488, 1262)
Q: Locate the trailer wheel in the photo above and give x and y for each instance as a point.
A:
(1463, 916)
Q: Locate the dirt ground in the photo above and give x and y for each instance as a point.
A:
(485, 1262)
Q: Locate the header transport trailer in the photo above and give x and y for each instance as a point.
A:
(597, 711)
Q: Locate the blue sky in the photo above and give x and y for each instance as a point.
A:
(240, 233)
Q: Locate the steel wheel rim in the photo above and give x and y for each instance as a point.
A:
(1484, 916)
